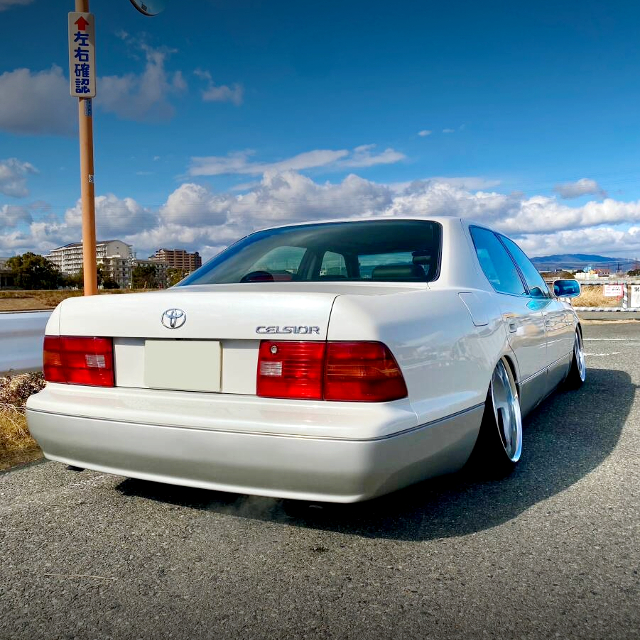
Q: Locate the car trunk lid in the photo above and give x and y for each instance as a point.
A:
(208, 315)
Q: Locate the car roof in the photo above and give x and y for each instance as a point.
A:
(444, 220)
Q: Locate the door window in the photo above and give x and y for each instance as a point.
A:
(496, 262)
(535, 283)
(333, 266)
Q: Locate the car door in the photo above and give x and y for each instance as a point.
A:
(523, 315)
(559, 321)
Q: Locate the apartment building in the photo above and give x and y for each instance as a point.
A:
(160, 269)
(178, 259)
(113, 256)
(6, 275)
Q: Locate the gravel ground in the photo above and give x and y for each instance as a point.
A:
(552, 551)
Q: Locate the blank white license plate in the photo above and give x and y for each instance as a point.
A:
(186, 365)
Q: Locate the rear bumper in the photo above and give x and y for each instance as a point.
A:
(306, 467)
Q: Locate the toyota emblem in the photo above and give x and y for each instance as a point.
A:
(174, 318)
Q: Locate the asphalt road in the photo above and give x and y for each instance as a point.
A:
(552, 551)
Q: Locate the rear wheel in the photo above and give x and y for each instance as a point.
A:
(578, 372)
(499, 444)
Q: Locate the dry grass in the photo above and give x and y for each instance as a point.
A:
(38, 300)
(16, 444)
(593, 296)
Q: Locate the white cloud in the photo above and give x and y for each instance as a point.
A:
(239, 162)
(11, 215)
(364, 156)
(424, 133)
(471, 183)
(7, 4)
(114, 216)
(220, 93)
(37, 102)
(196, 218)
(448, 131)
(13, 177)
(195, 204)
(581, 187)
(597, 240)
(145, 96)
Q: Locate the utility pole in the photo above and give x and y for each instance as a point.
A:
(82, 80)
(82, 74)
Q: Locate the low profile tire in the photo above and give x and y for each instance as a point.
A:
(578, 371)
(499, 444)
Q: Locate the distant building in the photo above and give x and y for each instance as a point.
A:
(582, 275)
(113, 256)
(160, 269)
(177, 259)
(6, 275)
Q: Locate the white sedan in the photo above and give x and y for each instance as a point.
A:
(333, 361)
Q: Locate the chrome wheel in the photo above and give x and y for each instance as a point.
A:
(578, 354)
(506, 410)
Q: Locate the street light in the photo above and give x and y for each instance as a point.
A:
(82, 82)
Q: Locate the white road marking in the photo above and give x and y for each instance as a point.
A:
(595, 355)
(611, 340)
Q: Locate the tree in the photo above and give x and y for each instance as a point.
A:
(104, 280)
(32, 271)
(75, 280)
(634, 272)
(109, 283)
(174, 276)
(144, 276)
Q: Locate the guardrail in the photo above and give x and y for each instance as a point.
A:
(21, 336)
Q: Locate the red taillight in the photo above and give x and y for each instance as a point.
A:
(52, 360)
(76, 360)
(339, 371)
(291, 370)
(362, 372)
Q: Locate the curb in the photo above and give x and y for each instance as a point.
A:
(605, 309)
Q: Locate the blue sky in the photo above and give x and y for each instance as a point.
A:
(214, 121)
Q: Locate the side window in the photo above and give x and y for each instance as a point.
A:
(333, 266)
(496, 262)
(535, 282)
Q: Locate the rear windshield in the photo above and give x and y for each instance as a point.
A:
(380, 250)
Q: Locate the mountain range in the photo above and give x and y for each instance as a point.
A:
(581, 260)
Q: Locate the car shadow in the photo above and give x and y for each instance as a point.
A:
(567, 437)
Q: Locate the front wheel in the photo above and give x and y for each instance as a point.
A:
(578, 371)
(499, 444)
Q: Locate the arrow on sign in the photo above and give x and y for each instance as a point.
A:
(82, 23)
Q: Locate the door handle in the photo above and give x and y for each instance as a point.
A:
(513, 327)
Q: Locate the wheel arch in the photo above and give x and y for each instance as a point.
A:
(510, 359)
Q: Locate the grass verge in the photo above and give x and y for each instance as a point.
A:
(593, 296)
(39, 300)
(16, 444)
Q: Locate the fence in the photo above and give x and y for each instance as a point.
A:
(610, 295)
(21, 336)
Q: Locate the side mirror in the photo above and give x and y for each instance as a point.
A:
(566, 288)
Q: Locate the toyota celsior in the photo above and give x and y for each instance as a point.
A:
(332, 361)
